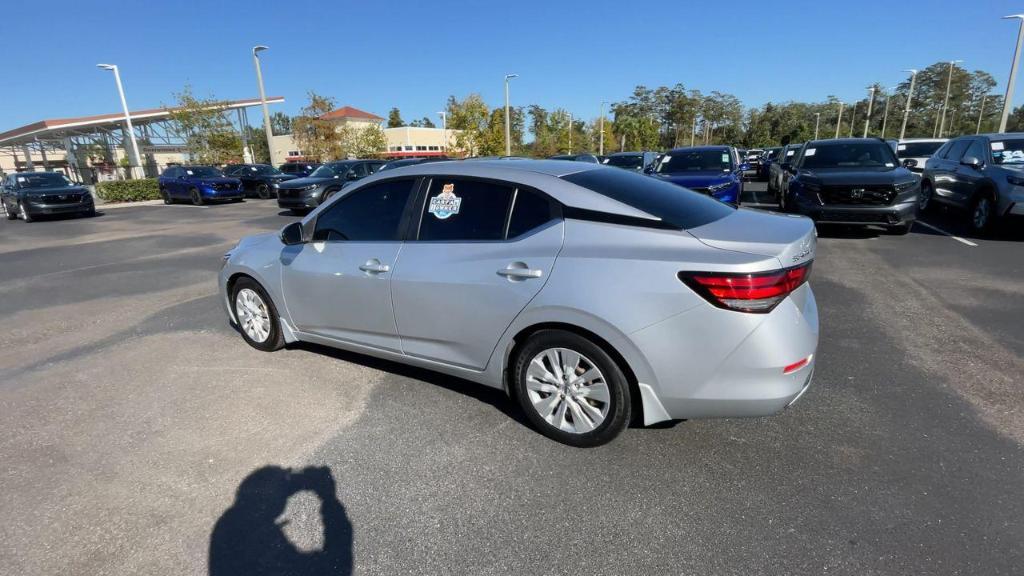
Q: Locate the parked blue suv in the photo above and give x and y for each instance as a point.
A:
(199, 184)
(711, 170)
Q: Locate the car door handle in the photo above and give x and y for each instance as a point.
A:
(520, 273)
(374, 267)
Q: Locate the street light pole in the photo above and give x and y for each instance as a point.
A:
(945, 102)
(444, 129)
(508, 117)
(570, 131)
(871, 102)
(263, 101)
(980, 112)
(600, 146)
(906, 107)
(133, 150)
(817, 122)
(1008, 100)
(885, 115)
(839, 119)
(693, 131)
(853, 118)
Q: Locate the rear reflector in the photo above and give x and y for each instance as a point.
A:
(756, 293)
(797, 365)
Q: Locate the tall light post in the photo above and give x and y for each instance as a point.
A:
(945, 102)
(817, 121)
(871, 102)
(906, 106)
(508, 117)
(839, 119)
(1008, 100)
(263, 101)
(981, 111)
(133, 150)
(570, 131)
(693, 131)
(853, 117)
(444, 129)
(600, 146)
(885, 115)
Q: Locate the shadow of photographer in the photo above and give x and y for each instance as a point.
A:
(249, 539)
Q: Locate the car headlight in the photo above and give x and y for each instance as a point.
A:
(904, 186)
(1015, 180)
(719, 187)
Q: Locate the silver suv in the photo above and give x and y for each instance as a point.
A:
(592, 295)
(982, 174)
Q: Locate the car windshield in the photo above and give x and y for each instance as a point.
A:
(1008, 151)
(917, 149)
(43, 180)
(204, 172)
(629, 161)
(851, 155)
(717, 160)
(324, 171)
(263, 170)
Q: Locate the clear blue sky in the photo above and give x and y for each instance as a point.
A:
(375, 55)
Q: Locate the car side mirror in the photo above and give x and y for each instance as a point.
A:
(292, 234)
(351, 176)
(744, 167)
(910, 163)
(649, 169)
(971, 161)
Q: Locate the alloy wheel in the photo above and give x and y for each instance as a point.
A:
(567, 390)
(253, 317)
(925, 198)
(982, 208)
(263, 191)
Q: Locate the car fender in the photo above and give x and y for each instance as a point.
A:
(261, 260)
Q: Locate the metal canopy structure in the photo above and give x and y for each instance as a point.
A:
(153, 129)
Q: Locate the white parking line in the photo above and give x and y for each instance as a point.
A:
(944, 233)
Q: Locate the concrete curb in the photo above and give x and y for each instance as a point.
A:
(106, 205)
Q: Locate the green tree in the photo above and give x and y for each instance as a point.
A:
(471, 117)
(280, 124)
(395, 119)
(209, 136)
(422, 123)
(319, 139)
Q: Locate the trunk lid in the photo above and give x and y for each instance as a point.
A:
(789, 238)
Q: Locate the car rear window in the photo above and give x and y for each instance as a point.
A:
(674, 205)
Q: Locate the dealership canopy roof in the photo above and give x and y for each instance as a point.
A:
(59, 129)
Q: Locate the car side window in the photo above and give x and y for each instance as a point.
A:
(171, 173)
(459, 209)
(530, 210)
(360, 169)
(956, 150)
(977, 149)
(373, 167)
(370, 214)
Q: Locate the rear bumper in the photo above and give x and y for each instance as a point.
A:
(736, 370)
(892, 215)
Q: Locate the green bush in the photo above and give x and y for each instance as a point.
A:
(128, 190)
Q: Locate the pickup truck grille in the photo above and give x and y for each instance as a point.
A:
(857, 195)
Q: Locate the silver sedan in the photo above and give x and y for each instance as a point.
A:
(591, 295)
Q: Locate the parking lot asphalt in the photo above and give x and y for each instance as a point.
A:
(135, 420)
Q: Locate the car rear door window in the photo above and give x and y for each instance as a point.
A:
(458, 209)
(370, 214)
(530, 210)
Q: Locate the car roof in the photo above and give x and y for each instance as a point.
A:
(691, 148)
(545, 175)
(906, 140)
(1005, 136)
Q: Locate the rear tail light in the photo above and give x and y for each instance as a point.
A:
(756, 293)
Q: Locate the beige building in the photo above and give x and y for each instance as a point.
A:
(405, 142)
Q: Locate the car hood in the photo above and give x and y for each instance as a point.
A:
(303, 182)
(696, 180)
(55, 190)
(790, 238)
(859, 177)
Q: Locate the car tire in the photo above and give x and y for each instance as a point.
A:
(582, 412)
(263, 191)
(328, 194)
(166, 197)
(782, 201)
(24, 214)
(982, 212)
(197, 198)
(256, 316)
(924, 201)
(91, 212)
(11, 215)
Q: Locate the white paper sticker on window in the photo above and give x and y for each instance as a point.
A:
(901, 147)
(790, 153)
(810, 151)
(888, 164)
(997, 145)
(446, 203)
(725, 157)
(665, 159)
(189, 172)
